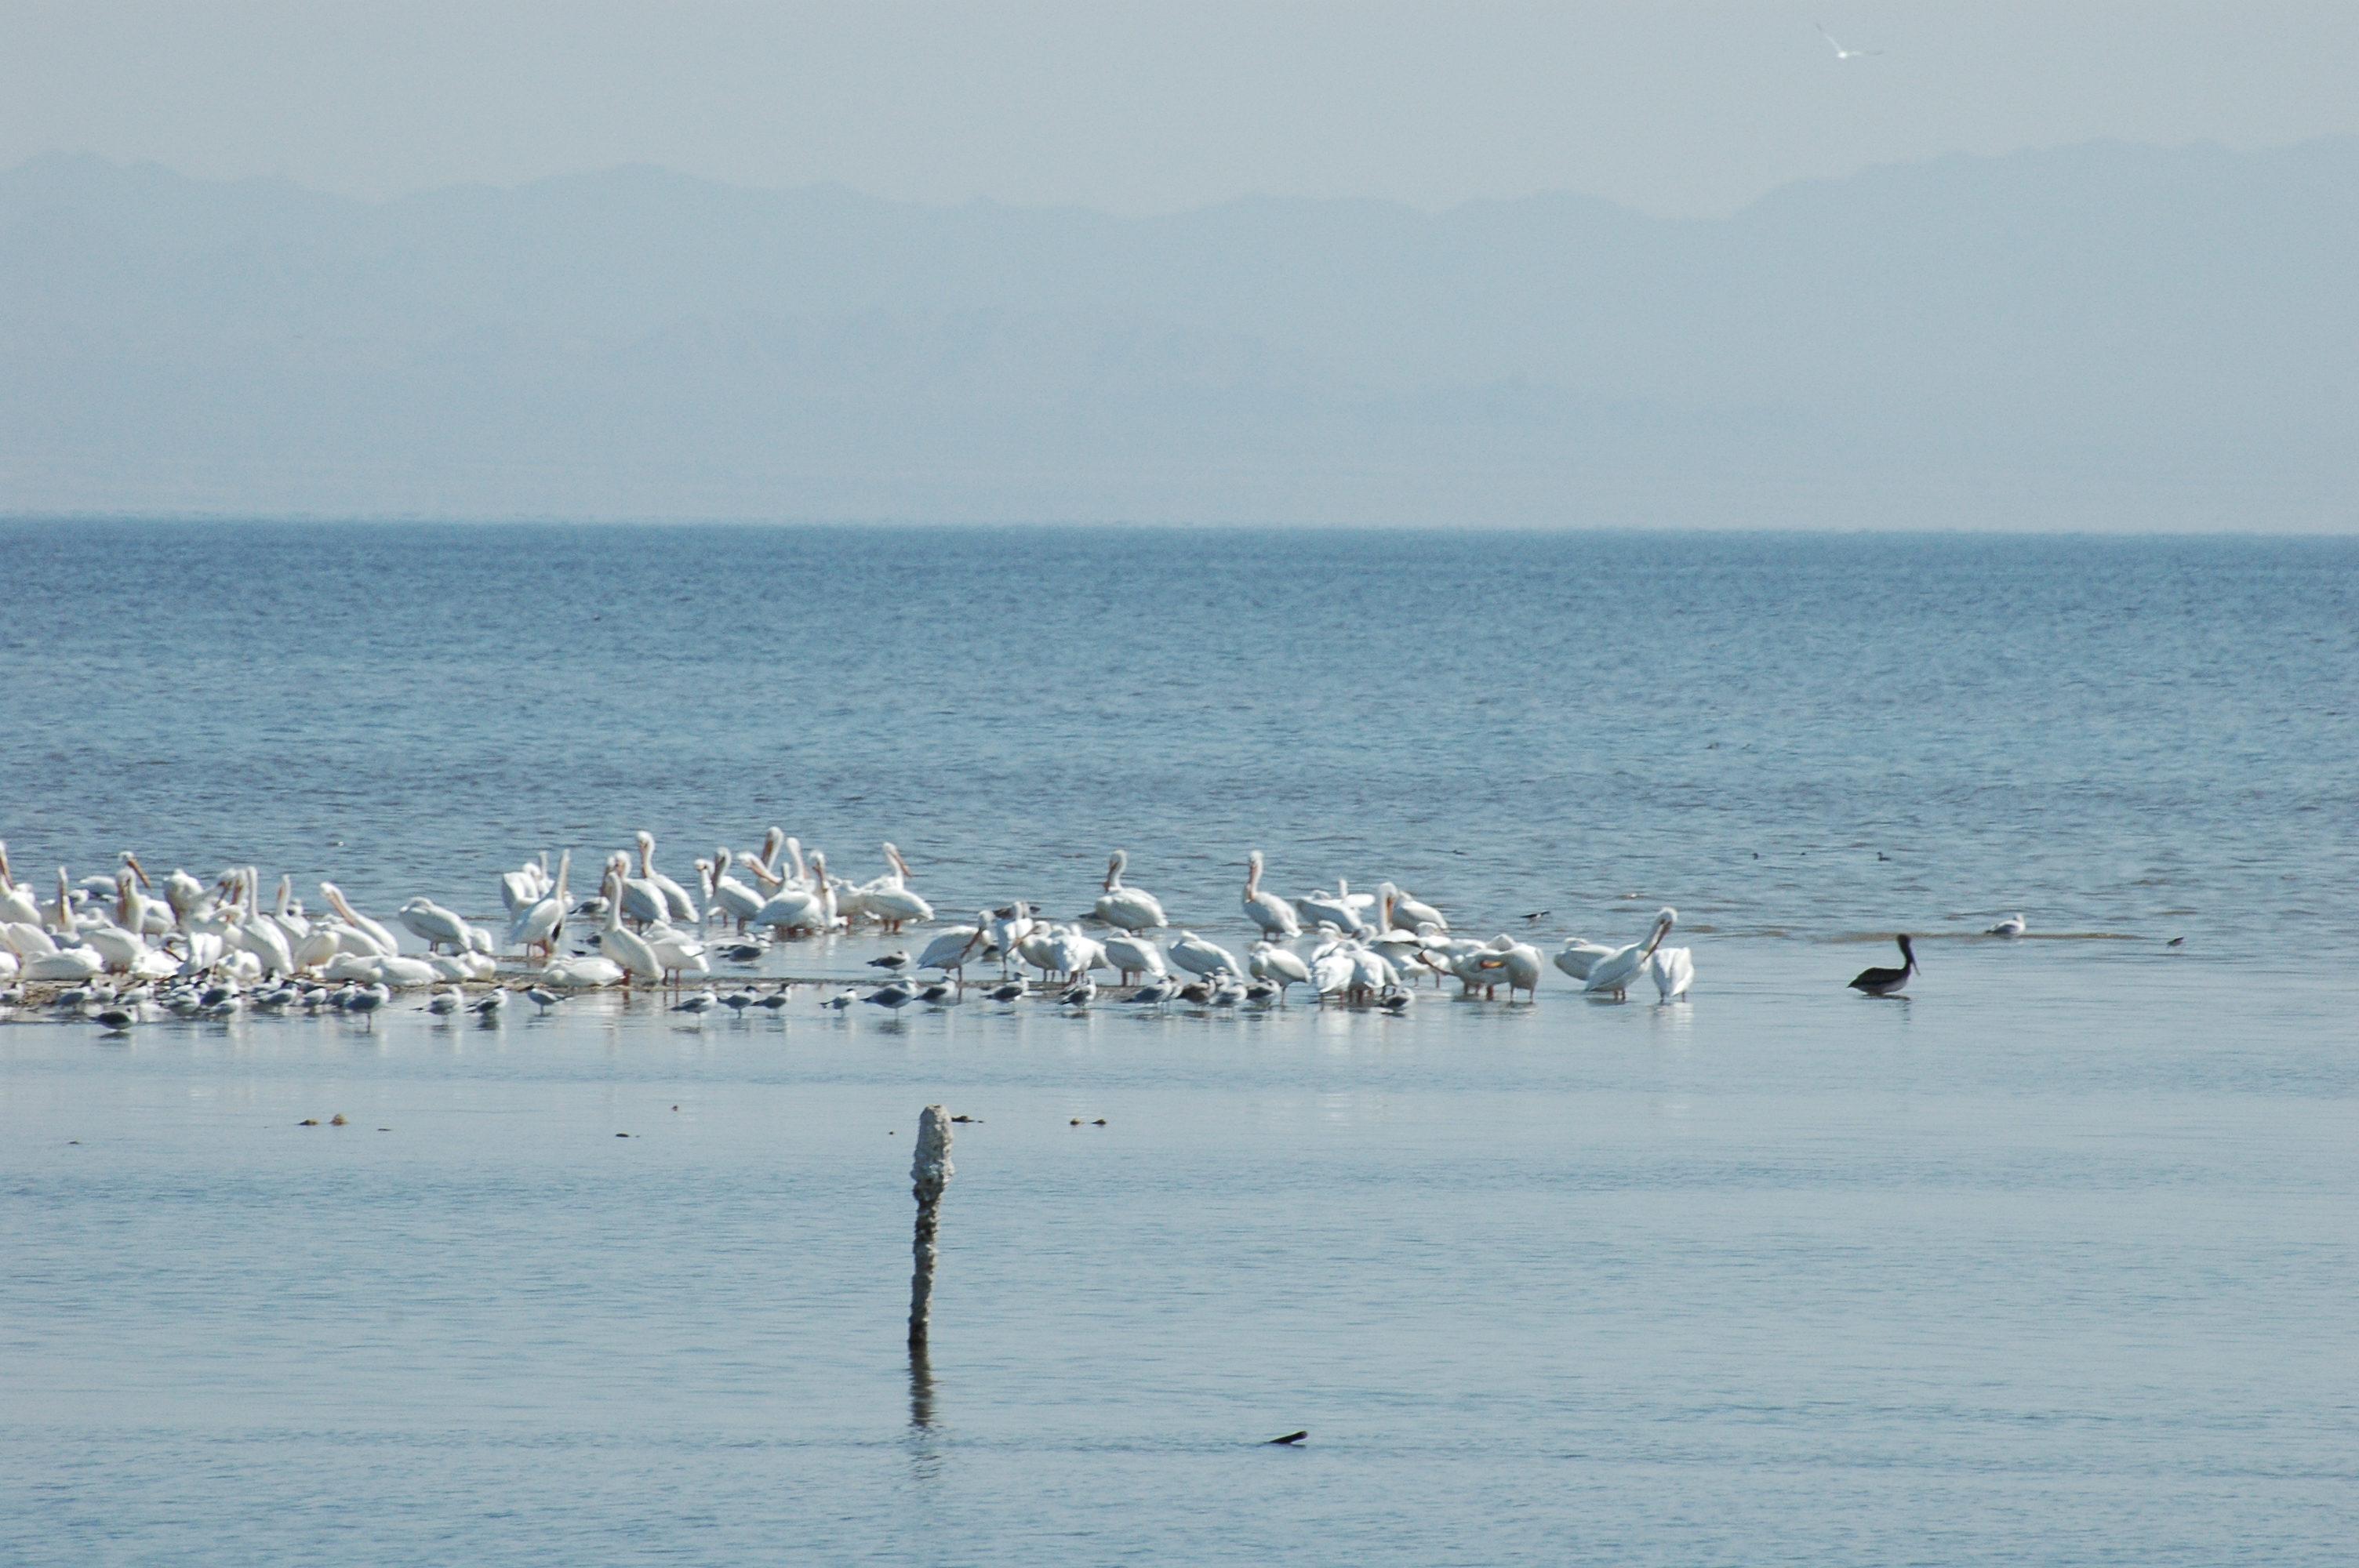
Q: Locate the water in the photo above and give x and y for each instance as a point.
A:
(2051, 1262)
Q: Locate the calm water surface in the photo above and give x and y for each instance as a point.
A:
(2053, 1262)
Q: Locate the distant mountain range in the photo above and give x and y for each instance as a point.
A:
(2101, 336)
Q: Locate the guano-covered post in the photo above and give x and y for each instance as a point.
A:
(930, 1173)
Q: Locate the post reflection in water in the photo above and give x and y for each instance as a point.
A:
(921, 1390)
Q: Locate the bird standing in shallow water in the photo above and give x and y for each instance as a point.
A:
(1887, 982)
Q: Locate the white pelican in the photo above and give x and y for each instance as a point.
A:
(1579, 957)
(1198, 956)
(829, 915)
(1126, 907)
(188, 898)
(2012, 926)
(1673, 971)
(524, 887)
(1332, 970)
(677, 905)
(949, 951)
(582, 974)
(1131, 954)
(1007, 929)
(539, 924)
(117, 947)
(60, 914)
(796, 906)
(1615, 971)
(1325, 907)
(377, 934)
(433, 924)
(679, 954)
(1888, 982)
(284, 913)
(889, 900)
(628, 948)
(252, 933)
(1268, 961)
(1404, 912)
(64, 964)
(1521, 964)
(18, 904)
(731, 898)
(1273, 915)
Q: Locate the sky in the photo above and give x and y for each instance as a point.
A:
(1676, 108)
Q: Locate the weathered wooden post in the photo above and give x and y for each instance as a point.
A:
(930, 1173)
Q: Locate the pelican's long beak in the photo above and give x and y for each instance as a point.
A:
(137, 870)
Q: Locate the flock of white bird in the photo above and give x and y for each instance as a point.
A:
(197, 940)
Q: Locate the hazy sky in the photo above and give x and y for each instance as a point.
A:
(1154, 105)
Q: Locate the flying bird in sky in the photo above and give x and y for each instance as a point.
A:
(1841, 52)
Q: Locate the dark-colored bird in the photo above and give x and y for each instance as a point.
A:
(894, 961)
(1009, 991)
(1888, 982)
(1288, 1440)
(1536, 915)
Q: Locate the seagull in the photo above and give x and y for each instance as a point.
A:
(1842, 53)
(2012, 926)
(1536, 915)
(894, 961)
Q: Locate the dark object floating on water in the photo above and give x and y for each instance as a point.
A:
(1536, 915)
(1099, 1122)
(1290, 1439)
(622, 1135)
(1888, 982)
(1882, 856)
(2174, 941)
(976, 1120)
(308, 1121)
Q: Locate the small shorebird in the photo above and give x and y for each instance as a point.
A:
(1887, 982)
